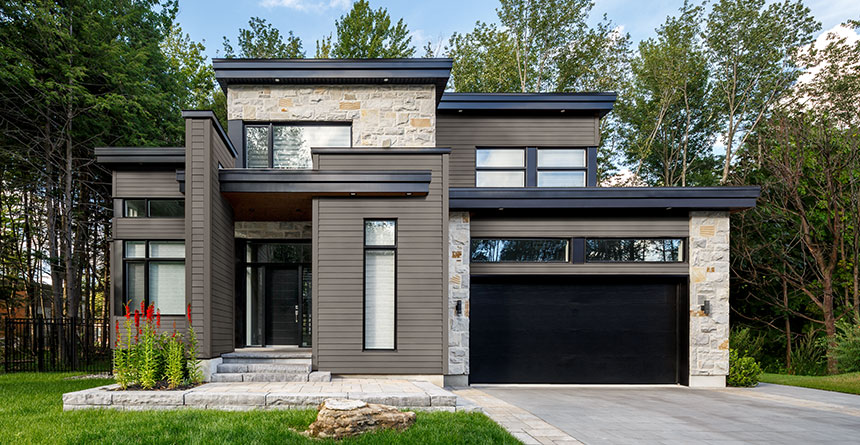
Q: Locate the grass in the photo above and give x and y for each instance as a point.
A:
(31, 411)
(847, 383)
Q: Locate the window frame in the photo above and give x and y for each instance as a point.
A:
(270, 140)
(365, 248)
(147, 208)
(683, 251)
(530, 168)
(568, 250)
(145, 261)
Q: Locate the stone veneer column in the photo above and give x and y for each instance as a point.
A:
(458, 290)
(709, 298)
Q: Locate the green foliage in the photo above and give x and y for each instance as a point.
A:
(175, 366)
(261, 40)
(367, 33)
(743, 370)
(847, 350)
(746, 342)
(807, 356)
(195, 374)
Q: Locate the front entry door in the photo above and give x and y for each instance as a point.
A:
(282, 306)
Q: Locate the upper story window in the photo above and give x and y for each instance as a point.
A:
(289, 145)
(154, 208)
(530, 167)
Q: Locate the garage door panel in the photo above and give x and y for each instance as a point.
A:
(573, 330)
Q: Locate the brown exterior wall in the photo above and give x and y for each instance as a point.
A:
(210, 270)
(462, 133)
(145, 184)
(338, 258)
(570, 227)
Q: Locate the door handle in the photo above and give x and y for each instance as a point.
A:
(297, 313)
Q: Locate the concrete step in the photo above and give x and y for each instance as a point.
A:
(265, 368)
(262, 354)
(274, 361)
(316, 376)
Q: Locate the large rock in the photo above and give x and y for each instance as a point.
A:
(339, 418)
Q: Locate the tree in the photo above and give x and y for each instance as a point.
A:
(364, 33)
(750, 46)
(263, 41)
(798, 248)
(668, 127)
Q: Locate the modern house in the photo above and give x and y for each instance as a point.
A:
(354, 210)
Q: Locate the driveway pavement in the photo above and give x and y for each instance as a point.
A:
(679, 415)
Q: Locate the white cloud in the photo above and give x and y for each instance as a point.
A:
(307, 5)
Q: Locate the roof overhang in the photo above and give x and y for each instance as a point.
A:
(140, 155)
(575, 103)
(691, 198)
(328, 183)
(434, 71)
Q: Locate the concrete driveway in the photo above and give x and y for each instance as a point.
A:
(679, 415)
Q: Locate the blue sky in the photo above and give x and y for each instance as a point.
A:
(432, 20)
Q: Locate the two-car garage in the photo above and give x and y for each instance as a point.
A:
(578, 329)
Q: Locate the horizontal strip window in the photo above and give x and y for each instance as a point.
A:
(289, 146)
(154, 208)
(154, 275)
(530, 167)
(380, 284)
(632, 250)
(520, 250)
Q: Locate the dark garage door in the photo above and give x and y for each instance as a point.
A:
(535, 329)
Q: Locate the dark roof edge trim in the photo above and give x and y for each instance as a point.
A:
(209, 114)
(140, 155)
(380, 150)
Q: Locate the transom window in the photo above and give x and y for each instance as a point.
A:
(530, 167)
(154, 208)
(632, 250)
(154, 274)
(289, 145)
(520, 250)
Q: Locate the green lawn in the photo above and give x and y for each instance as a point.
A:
(847, 383)
(31, 412)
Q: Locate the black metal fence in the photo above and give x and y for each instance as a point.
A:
(56, 344)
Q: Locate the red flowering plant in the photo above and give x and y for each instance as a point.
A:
(125, 354)
(195, 374)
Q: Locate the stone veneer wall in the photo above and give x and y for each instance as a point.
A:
(381, 115)
(709, 298)
(273, 229)
(458, 290)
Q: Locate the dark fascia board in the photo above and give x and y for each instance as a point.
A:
(315, 181)
(380, 150)
(209, 114)
(333, 71)
(722, 198)
(140, 155)
(599, 103)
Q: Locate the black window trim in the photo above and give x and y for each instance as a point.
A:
(393, 248)
(568, 249)
(147, 207)
(530, 167)
(271, 139)
(684, 251)
(145, 260)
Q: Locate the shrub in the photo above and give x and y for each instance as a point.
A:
(194, 372)
(144, 357)
(747, 343)
(807, 356)
(743, 370)
(847, 350)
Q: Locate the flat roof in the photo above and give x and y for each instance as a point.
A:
(434, 71)
(140, 155)
(599, 103)
(716, 198)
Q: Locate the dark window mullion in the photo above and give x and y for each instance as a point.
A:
(531, 167)
(271, 146)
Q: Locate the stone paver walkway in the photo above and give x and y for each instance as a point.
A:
(416, 395)
(523, 425)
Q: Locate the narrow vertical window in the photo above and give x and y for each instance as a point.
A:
(380, 260)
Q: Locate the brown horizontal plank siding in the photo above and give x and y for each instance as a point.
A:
(338, 272)
(146, 184)
(463, 133)
(149, 228)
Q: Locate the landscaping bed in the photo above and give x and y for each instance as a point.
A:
(32, 412)
(847, 383)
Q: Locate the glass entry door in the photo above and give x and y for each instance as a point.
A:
(276, 299)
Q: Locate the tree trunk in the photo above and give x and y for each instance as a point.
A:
(829, 325)
(787, 326)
